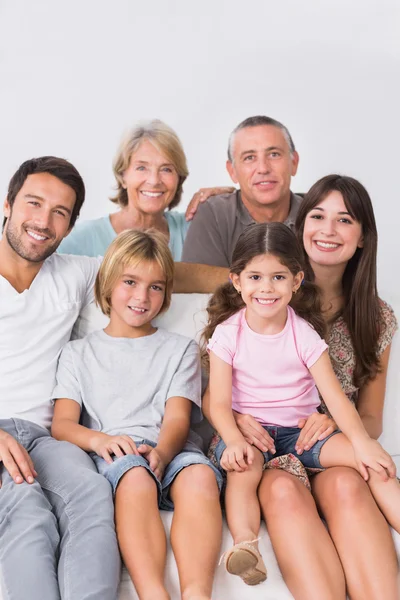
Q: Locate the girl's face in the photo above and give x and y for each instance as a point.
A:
(331, 236)
(151, 180)
(137, 298)
(266, 286)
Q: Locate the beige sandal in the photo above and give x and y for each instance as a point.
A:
(246, 561)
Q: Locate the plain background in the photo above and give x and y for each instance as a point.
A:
(75, 75)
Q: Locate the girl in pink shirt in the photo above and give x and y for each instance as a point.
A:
(266, 360)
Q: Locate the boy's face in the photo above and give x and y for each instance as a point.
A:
(136, 299)
(40, 217)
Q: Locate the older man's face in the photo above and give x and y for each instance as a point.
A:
(262, 165)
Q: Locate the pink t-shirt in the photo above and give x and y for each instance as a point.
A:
(270, 373)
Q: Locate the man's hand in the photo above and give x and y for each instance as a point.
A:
(202, 195)
(154, 458)
(16, 459)
(254, 433)
(105, 445)
(317, 427)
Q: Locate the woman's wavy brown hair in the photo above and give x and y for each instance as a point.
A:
(258, 239)
(361, 309)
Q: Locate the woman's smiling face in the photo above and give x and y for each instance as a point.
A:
(331, 235)
(151, 180)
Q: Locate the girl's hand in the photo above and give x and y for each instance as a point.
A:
(154, 458)
(254, 433)
(237, 456)
(369, 454)
(106, 445)
(317, 427)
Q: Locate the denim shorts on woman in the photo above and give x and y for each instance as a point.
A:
(114, 471)
(285, 439)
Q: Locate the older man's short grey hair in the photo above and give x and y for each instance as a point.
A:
(255, 122)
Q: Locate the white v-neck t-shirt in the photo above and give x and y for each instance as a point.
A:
(34, 327)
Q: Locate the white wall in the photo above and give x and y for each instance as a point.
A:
(75, 74)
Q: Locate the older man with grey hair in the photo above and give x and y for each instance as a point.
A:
(262, 160)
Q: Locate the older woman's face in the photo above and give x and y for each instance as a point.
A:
(151, 180)
(331, 236)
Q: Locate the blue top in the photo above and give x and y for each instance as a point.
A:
(92, 238)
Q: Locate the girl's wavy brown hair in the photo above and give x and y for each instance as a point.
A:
(258, 239)
(361, 308)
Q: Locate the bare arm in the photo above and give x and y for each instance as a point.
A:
(173, 435)
(195, 278)
(66, 427)
(368, 452)
(202, 195)
(175, 427)
(238, 453)
(371, 399)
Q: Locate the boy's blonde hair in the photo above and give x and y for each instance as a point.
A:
(130, 248)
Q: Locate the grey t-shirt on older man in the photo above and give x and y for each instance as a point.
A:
(216, 228)
(123, 384)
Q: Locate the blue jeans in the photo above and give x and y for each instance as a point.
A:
(57, 537)
(285, 439)
(113, 472)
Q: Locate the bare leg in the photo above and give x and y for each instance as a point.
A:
(141, 534)
(304, 550)
(196, 530)
(360, 533)
(338, 451)
(241, 502)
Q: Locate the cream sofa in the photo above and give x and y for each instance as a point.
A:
(186, 316)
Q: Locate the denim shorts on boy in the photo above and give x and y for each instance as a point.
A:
(113, 472)
(285, 439)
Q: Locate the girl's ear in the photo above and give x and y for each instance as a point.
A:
(235, 281)
(361, 242)
(298, 278)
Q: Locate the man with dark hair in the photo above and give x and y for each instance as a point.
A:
(56, 513)
(262, 159)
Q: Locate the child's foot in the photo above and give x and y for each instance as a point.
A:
(245, 560)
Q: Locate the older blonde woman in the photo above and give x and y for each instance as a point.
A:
(150, 169)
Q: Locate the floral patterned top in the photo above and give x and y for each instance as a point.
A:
(342, 356)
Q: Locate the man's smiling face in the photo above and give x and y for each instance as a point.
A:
(262, 165)
(40, 217)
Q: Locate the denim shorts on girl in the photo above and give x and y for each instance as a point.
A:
(285, 439)
(114, 471)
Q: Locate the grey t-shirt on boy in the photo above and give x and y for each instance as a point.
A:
(123, 383)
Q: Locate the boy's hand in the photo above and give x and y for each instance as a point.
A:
(16, 459)
(369, 454)
(154, 458)
(237, 456)
(106, 445)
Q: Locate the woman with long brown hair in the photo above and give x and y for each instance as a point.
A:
(337, 228)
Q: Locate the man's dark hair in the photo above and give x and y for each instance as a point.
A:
(58, 167)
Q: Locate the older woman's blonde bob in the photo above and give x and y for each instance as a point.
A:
(130, 248)
(165, 140)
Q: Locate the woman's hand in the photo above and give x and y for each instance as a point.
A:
(154, 458)
(237, 456)
(369, 454)
(317, 427)
(107, 445)
(202, 195)
(254, 433)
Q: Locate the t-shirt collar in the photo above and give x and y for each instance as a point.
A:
(245, 217)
